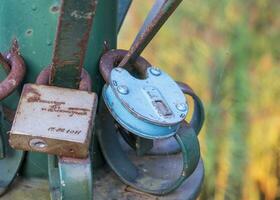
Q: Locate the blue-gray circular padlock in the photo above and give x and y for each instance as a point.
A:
(152, 107)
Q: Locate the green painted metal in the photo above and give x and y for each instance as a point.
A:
(75, 22)
(10, 159)
(126, 170)
(2, 142)
(123, 7)
(72, 178)
(11, 163)
(34, 25)
(68, 178)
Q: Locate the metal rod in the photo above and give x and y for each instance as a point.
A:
(160, 12)
(74, 26)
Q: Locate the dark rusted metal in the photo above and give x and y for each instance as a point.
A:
(44, 78)
(150, 29)
(9, 114)
(74, 25)
(16, 74)
(4, 64)
(112, 58)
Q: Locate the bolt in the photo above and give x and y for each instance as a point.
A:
(123, 89)
(181, 107)
(155, 71)
(38, 144)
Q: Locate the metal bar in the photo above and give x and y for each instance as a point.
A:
(149, 31)
(151, 16)
(123, 7)
(75, 22)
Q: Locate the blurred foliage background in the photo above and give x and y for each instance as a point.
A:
(229, 52)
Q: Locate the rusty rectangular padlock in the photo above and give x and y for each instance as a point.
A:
(54, 120)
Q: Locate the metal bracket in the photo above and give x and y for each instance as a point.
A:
(10, 164)
(10, 159)
(70, 178)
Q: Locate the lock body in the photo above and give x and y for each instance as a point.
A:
(54, 120)
(152, 108)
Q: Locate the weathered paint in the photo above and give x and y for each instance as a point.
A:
(34, 26)
(74, 26)
(16, 73)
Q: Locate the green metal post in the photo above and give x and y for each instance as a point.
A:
(33, 23)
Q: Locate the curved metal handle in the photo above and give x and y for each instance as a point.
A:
(70, 178)
(198, 113)
(111, 59)
(15, 76)
(11, 163)
(129, 173)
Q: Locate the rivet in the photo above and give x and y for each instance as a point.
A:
(123, 89)
(181, 107)
(155, 71)
(38, 144)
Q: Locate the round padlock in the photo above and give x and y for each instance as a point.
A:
(151, 107)
(169, 145)
(180, 131)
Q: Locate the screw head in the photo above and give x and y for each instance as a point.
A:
(155, 71)
(38, 144)
(123, 89)
(181, 107)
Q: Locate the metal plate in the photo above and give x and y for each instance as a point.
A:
(156, 99)
(54, 120)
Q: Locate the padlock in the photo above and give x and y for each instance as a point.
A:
(158, 124)
(152, 107)
(54, 120)
(170, 146)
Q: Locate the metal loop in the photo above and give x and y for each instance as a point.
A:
(16, 75)
(112, 58)
(198, 115)
(44, 77)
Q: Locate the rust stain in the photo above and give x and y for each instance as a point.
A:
(16, 74)
(113, 57)
(85, 81)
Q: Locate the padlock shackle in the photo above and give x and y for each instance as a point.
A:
(133, 176)
(44, 78)
(112, 58)
(16, 64)
(198, 116)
